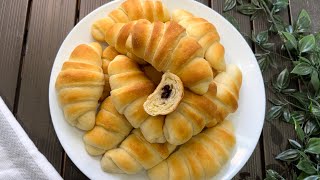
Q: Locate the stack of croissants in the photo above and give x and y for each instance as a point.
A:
(156, 97)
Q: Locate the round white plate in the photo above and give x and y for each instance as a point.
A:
(248, 119)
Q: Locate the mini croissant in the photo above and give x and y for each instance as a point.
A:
(135, 154)
(79, 85)
(196, 112)
(130, 10)
(110, 129)
(200, 158)
(166, 47)
(129, 90)
(206, 34)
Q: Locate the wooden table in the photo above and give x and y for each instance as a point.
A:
(31, 32)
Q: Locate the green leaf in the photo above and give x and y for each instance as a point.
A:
(274, 112)
(255, 2)
(315, 80)
(306, 166)
(313, 146)
(273, 175)
(310, 127)
(263, 61)
(247, 9)
(289, 155)
(240, 2)
(297, 116)
(276, 101)
(307, 43)
(295, 144)
(267, 45)
(302, 69)
(315, 110)
(286, 115)
(262, 37)
(232, 20)
(313, 177)
(229, 4)
(299, 130)
(279, 5)
(304, 22)
(291, 41)
(283, 79)
(302, 98)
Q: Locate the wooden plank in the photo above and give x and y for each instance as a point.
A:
(276, 133)
(13, 15)
(205, 2)
(253, 168)
(50, 22)
(312, 7)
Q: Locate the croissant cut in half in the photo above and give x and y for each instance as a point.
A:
(79, 85)
(166, 47)
(196, 112)
(200, 158)
(130, 10)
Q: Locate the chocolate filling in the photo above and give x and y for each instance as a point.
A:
(166, 92)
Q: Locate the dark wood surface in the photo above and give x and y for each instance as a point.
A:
(32, 32)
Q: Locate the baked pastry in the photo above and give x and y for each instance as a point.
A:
(166, 97)
(110, 129)
(135, 154)
(130, 10)
(166, 47)
(108, 55)
(195, 112)
(130, 88)
(200, 158)
(79, 85)
(206, 34)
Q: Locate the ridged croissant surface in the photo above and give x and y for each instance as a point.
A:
(107, 56)
(206, 34)
(110, 129)
(200, 158)
(80, 84)
(130, 10)
(196, 112)
(166, 47)
(135, 154)
(130, 88)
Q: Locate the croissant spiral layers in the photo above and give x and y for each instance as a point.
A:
(130, 10)
(196, 112)
(135, 154)
(166, 47)
(200, 158)
(110, 129)
(207, 36)
(130, 88)
(80, 84)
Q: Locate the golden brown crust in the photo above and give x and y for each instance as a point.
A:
(134, 154)
(200, 158)
(79, 85)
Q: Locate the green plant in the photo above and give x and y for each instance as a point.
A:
(298, 105)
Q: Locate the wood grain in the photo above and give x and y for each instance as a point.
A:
(13, 19)
(50, 22)
(275, 133)
(205, 2)
(252, 169)
(311, 6)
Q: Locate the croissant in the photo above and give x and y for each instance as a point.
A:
(200, 158)
(107, 56)
(79, 85)
(206, 34)
(110, 129)
(154, 75)
(195, 112)
(166, 47)
(129, 90)
(128, 11)
(166, 96)
(135, 154)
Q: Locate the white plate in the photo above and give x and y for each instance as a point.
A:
(248, 119)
